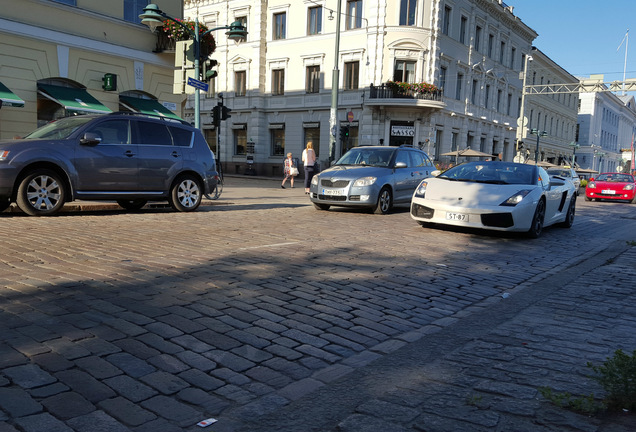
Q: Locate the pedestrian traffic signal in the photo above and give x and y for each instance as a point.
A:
(344, 133)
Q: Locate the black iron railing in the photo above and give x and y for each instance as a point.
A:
(385, 92)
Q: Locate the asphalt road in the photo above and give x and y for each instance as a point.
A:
(265, 314)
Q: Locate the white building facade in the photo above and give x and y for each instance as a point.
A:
(607, 125)
(278, 81)
(554, 116)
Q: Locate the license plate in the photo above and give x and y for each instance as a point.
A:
(608, 192)
(456, 216)
(332, 192)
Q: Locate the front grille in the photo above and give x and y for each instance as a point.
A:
(421, 211)
(332, 197)
(499, 220)
(334, 183)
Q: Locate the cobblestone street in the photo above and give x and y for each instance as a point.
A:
(258, 304)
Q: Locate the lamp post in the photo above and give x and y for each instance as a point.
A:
(574, 146)
(600, 159)
(153, 17)
(333, 115)
(522, 118)
(539, 134)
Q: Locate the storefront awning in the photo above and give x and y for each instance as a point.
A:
(8, 98)
(73, 99)
(146, 106)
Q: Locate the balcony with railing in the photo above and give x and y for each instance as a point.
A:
(406, 94)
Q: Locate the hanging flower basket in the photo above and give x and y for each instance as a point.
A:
(171, 32)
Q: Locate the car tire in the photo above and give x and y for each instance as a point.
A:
(132, 204)
(385, 202)
(41, 193)
(319, 206)
(633, 201)
(186, 193)
(587, 198)
(537, 220)
(569, 216)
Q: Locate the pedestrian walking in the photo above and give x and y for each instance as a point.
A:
(309, 161)
(289, 171)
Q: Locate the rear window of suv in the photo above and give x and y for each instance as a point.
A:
(151, 133)
(181, 137)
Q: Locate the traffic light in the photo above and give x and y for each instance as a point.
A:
(208, 72)
(344, 133)
(216, 116)
(225, 112)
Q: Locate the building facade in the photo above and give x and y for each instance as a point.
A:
(459, 64)
(554, 116)
(66, 57)
(607, 125)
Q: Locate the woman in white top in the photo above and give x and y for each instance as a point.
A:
(309, 159)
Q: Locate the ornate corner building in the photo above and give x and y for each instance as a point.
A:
(438, 75)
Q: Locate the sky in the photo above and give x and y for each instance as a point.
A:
(583, 36)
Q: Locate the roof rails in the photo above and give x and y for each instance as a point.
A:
(155, 116)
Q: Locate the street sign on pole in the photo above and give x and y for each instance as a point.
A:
(197, 84)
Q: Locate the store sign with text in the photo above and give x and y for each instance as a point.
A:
(403, 131)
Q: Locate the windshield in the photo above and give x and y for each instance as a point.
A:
(560, 173)
(59, 129)
(380, 157)
(615, 177)
(491, 172)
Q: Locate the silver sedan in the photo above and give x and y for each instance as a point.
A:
(371, 177)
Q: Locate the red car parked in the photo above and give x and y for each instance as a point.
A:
(611, 186)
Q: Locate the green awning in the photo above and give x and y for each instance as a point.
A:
(73, 99)
(8, 98)
(146, 106)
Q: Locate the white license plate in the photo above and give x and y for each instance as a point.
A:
(456, 216)
(608, 192)
(332, 192)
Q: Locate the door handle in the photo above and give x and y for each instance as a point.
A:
(129, 153)
(175, 154)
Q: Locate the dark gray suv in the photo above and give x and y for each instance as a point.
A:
(127, 157)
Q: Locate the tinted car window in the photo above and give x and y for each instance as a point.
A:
(418, 159)
(151, 133)
(181, 137)
(112, 131)
(403, 156)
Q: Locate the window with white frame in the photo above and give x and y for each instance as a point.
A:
(404, 71)
(278, 81)
(354, 14)
(314, 20)
(407, 12)
(351, 75)
(280, 26)
(312, 79)
(240, 83)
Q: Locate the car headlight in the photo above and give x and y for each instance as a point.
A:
(4, 154)
(314, 180)
(591, 185)
(629, 187)
(364, 181)
(420, 192)
(516, 198)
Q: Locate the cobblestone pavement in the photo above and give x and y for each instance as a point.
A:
(263, 313)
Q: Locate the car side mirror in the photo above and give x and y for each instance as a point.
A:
(436, 173)
(400, 165)
(90, 138)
